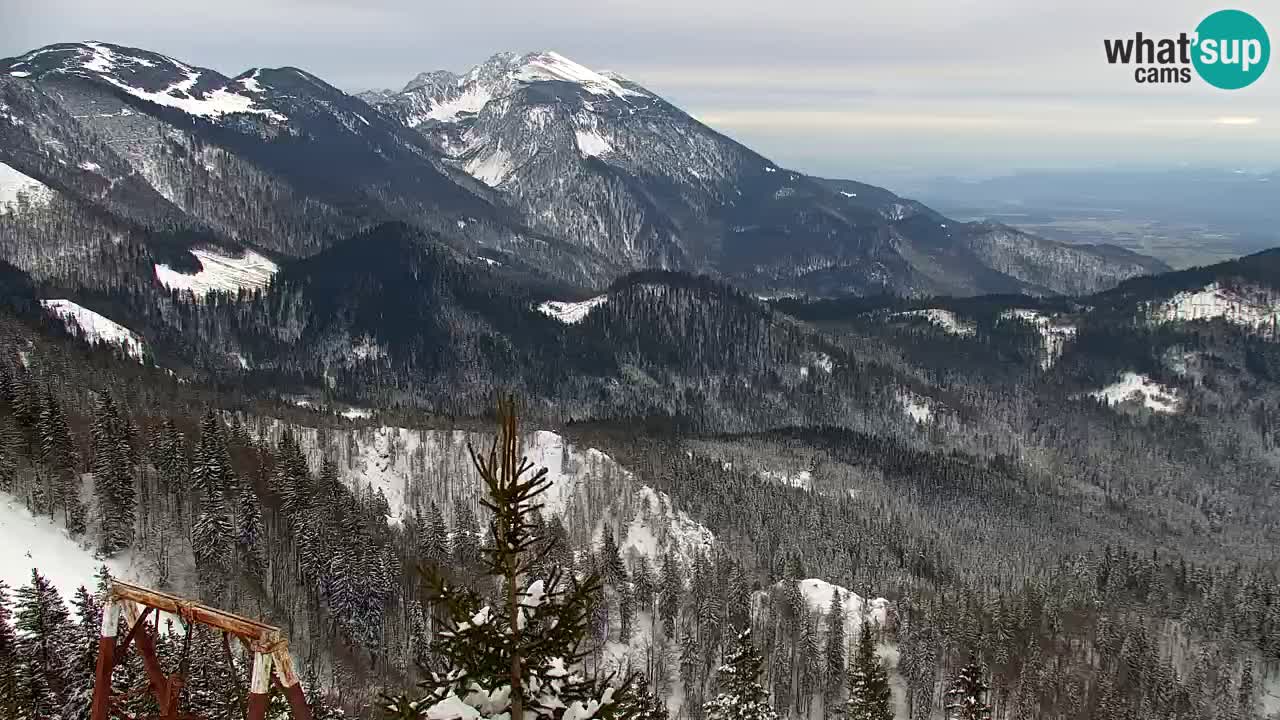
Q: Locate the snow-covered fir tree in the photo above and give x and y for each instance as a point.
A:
(741, 696)
(10, 700)
(250, 534)
(433, 537)
(84, 655)
(967, 693)
(60, 488)
(211, 470)
(519, 656)
(213, 546)
(869, 695)
(834, 650)
(113, 481)
(45, 641)
(670, 590)
(644, 703)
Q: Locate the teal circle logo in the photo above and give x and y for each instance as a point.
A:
(1232, 49)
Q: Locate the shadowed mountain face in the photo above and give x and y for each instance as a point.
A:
(610, 165)
(577, 176)
(275, 159)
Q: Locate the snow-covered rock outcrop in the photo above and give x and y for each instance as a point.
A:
(1054, 333)
(944, 319)
(1256, 309)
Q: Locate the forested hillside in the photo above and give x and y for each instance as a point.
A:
(1150, 592)
(252, 331)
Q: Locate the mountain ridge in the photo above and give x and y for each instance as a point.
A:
(580, 174)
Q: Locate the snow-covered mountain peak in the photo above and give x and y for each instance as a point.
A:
(446, 97)
(151, 77)
(435, 79)
(552, 66)
(117, 64)
(89, 57)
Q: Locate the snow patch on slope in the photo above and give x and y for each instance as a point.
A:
(213, 105)
(218, 272)
(102, 60)
(818, 361)
(492, 168)
(15, 185)
(915, 406)
(472, 100)
(93, 327)
(802, 479)
(368, 349)
(39, 543)
(591, 143)
(571, 313)
(1137, 387)
(1054, 336)
(548, 450)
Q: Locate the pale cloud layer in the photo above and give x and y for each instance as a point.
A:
(840, 87)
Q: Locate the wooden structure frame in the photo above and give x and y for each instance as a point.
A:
(270, 652)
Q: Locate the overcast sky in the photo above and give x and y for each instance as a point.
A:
(871, 90)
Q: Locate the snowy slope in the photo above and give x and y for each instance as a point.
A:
(219, 272)
(1252, 308)
(571, 313)
(96, 328)
(657, 528)
(592, 143)
(16, 187)
(1137, 387)
(40, 543)
(589, 490)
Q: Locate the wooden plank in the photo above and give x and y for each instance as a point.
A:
(260, 634)
(266, 642)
